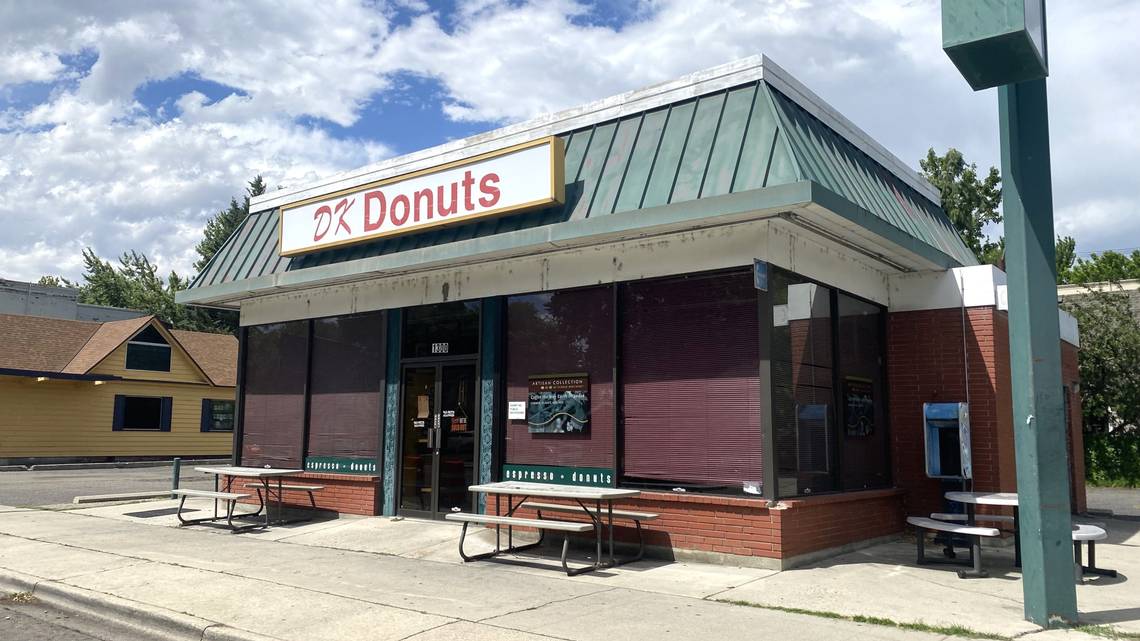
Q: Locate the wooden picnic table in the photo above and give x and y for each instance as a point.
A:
(589, 499)
(262, 474)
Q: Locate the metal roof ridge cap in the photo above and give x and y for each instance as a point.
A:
(799, 93)
(696, 83)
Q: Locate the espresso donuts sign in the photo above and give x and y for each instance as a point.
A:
(509, 180)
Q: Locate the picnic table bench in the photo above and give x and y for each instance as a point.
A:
(973, 532)
(230, 498)
(599, 519)
(542, 525)
(636, 517)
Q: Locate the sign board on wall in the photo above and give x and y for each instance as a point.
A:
(509, 180)
(558, 404)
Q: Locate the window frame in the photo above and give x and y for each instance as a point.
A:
(207, 420)
(147, 344)
(166, 407)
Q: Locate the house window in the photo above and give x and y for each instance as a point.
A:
(217, 415)
(142, 413)
(148, 350)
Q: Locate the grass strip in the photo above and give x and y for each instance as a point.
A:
(1106, 631)
(918, 626)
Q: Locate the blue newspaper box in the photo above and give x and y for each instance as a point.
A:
(946, 432)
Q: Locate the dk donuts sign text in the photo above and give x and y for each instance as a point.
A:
(509, 180)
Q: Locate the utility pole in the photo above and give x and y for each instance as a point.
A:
(1001, 43)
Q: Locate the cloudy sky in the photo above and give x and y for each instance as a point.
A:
(125, 124)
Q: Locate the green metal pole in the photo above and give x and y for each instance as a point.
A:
(1035, 356)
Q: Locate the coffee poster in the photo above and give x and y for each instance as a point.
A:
(558, 404)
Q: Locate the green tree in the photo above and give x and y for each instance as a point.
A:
(55, 281)
(135, 284)
(1106, 267)
(1066, 258)
(225, 222)
(1110, 351)
(970, 202)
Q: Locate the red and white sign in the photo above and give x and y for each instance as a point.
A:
(520, 177)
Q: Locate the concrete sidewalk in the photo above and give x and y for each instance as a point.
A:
(378, 578)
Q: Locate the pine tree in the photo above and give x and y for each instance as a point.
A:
(225, 222)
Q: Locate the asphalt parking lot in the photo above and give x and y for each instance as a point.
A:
(57, 487)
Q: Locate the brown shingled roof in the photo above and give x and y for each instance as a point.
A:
(110, 335)
(41, 344)
(216, 354)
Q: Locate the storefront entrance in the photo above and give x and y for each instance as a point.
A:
(438, 419)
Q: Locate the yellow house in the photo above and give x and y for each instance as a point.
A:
(120, 390)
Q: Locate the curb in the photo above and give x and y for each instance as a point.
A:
(123, 614)
(123, 496)
(47, 467)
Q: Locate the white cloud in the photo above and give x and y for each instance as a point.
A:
(90, 166)
(28, 66)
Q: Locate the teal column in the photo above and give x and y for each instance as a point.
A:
(490, 366)
(1035, 356)
(392, 411)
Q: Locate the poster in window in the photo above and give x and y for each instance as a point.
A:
(558, 404)
(859, 401)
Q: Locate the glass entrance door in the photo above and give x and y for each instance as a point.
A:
(438, 431)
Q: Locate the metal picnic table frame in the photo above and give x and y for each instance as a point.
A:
(1002, 499)
(579, 494)
(261, 474)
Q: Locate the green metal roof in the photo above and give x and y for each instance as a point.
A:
(740, 139)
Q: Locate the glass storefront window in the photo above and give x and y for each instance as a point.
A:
(828, 390)
(273, 410)
(865, 443)
(691, 384)
(559, 333)
(446, 329)
(803, 395)
(345, 383)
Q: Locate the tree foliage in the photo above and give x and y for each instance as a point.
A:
(1105, 267)
(225, 222)
(1108, 358)
(970, 202)
(134, 282)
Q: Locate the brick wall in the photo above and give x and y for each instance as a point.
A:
(344, 493)
(747, 527)
(926, 365)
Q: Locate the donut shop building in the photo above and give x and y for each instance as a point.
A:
(717, 290)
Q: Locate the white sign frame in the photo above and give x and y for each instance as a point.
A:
(525, 176)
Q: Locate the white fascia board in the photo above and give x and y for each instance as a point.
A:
(691, 85)
(973, 286)
(1118, 286)
(1070, 333)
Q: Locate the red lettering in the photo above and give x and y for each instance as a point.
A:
(421, 195)
(322, 215)
(342, 208)
(378, 196)
(444, 210)
(468, 181)
(397, 219)
(487, 186)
